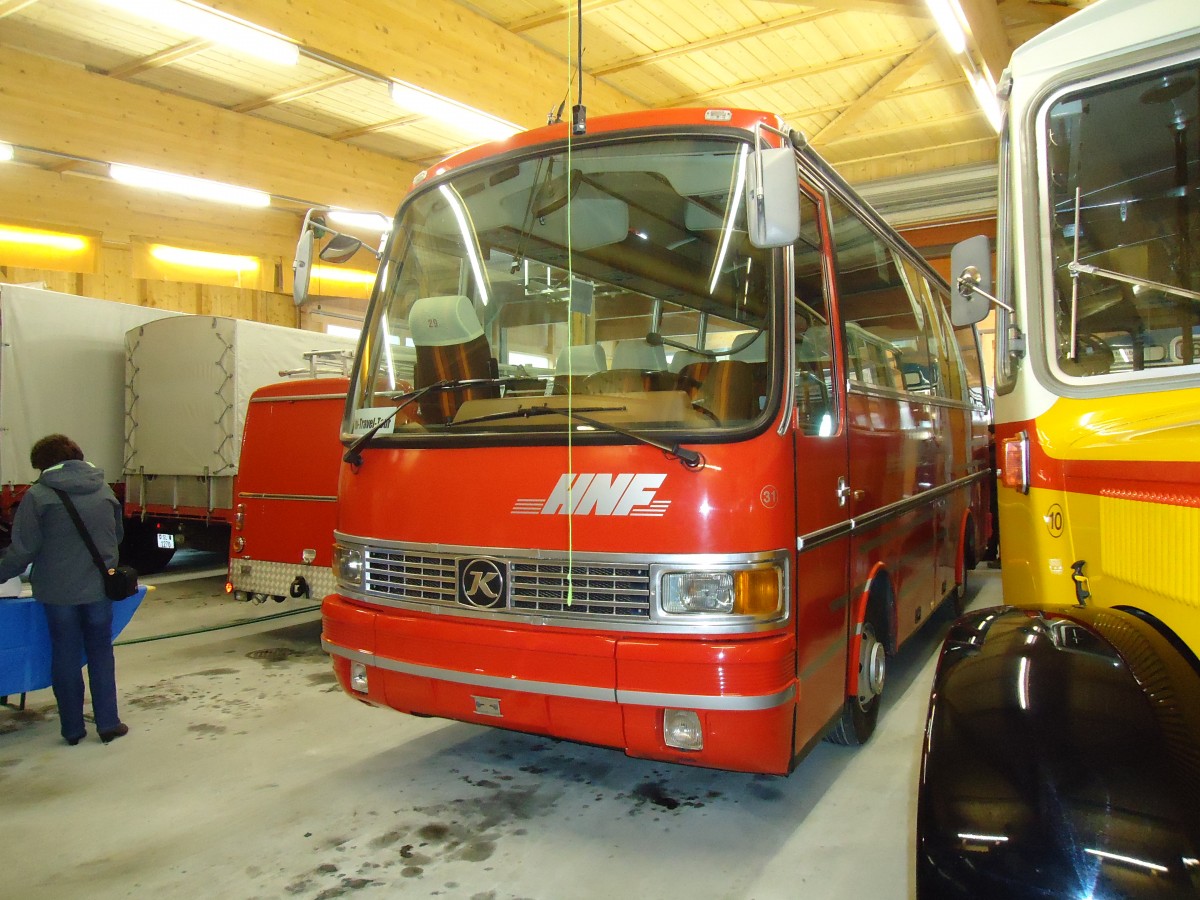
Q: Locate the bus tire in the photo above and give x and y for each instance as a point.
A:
(861, 712)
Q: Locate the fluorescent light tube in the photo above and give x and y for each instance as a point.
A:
(200, 188)
(202, 22)
(449, 112)
(948, 23)
(202, 259)
(351, 219)
(986, 95)
(49, 240)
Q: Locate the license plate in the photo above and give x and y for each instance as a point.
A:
(166, 541)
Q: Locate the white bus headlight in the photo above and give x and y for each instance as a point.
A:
(698, 592)
(348, 565)
(742, 592)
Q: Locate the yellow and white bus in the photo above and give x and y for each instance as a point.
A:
(1098, 296)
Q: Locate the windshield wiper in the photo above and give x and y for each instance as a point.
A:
(528, 412)
(690, 458)
(1077, 268)
(352, 454)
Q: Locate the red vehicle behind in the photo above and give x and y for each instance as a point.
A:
(704, 557)
(285, 493)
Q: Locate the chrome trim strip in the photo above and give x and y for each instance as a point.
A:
(873, 390)
(885, 513)
(740, 703)
(323, 498)
(556, 555)
(824, 535)
(566, 620)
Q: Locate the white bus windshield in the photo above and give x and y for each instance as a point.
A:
(617, 278)
(1124, 167)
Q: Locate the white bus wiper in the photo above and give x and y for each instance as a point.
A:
(690, 458)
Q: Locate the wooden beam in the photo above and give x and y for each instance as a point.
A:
(119, 213)
(880, 90)
(912, 127)
(559, 15)
(987, 34)
(351, 133)
(160, 59)
(792, 75)
(57, 107)
(719, 40)
(8, 7)
(910, 8)
(916, 152)
(1046, 12)
(440, 45)
(295, 94)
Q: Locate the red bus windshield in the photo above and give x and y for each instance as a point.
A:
(613, 278)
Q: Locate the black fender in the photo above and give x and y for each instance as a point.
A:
(1061, 760)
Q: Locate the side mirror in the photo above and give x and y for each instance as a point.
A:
(772, 198)
(340, 249)
(302, 266)
(971, 268)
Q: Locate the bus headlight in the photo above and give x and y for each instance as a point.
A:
(741, 592)
(348, 565)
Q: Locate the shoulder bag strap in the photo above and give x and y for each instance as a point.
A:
(83, 532)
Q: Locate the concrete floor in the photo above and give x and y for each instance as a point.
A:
(248, 774)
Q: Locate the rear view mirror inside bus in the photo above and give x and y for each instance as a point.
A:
(971, 264)
(772, 198)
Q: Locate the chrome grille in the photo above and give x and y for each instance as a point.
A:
(535, 586)
(408, 575)
(597, 590)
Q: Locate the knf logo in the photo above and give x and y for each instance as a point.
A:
(624, 494)
(481, 583)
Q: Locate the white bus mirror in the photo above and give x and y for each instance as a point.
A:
(772, 198)
(971, 267)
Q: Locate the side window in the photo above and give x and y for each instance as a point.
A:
(887, 331)
(814, 355)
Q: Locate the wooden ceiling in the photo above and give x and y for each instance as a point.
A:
(871, 82)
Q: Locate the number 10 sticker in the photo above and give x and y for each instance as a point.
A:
(1054, 520)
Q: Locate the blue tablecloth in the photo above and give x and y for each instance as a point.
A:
(25, 641)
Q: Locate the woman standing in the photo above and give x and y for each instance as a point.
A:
(66, 580)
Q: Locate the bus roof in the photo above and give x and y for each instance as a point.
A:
(1105, 28)
(712, 116)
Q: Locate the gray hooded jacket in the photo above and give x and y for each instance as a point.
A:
(64, 573)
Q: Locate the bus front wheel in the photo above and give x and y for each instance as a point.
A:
(861, 711)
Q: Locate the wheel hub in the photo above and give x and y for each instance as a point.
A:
(872, 667)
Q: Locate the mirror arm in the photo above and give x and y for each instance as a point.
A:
(968, 284)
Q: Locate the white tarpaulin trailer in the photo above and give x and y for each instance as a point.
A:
(188, 384)
(62, 370)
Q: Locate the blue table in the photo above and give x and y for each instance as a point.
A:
(25, 642)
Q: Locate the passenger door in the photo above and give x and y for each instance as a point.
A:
(822, 523)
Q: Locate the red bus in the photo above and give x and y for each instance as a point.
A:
(691, 446)
(285, 492)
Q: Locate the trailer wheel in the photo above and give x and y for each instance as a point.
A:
(861, 712)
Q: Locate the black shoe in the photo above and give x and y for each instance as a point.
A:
(74, 740)
(113, 733)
